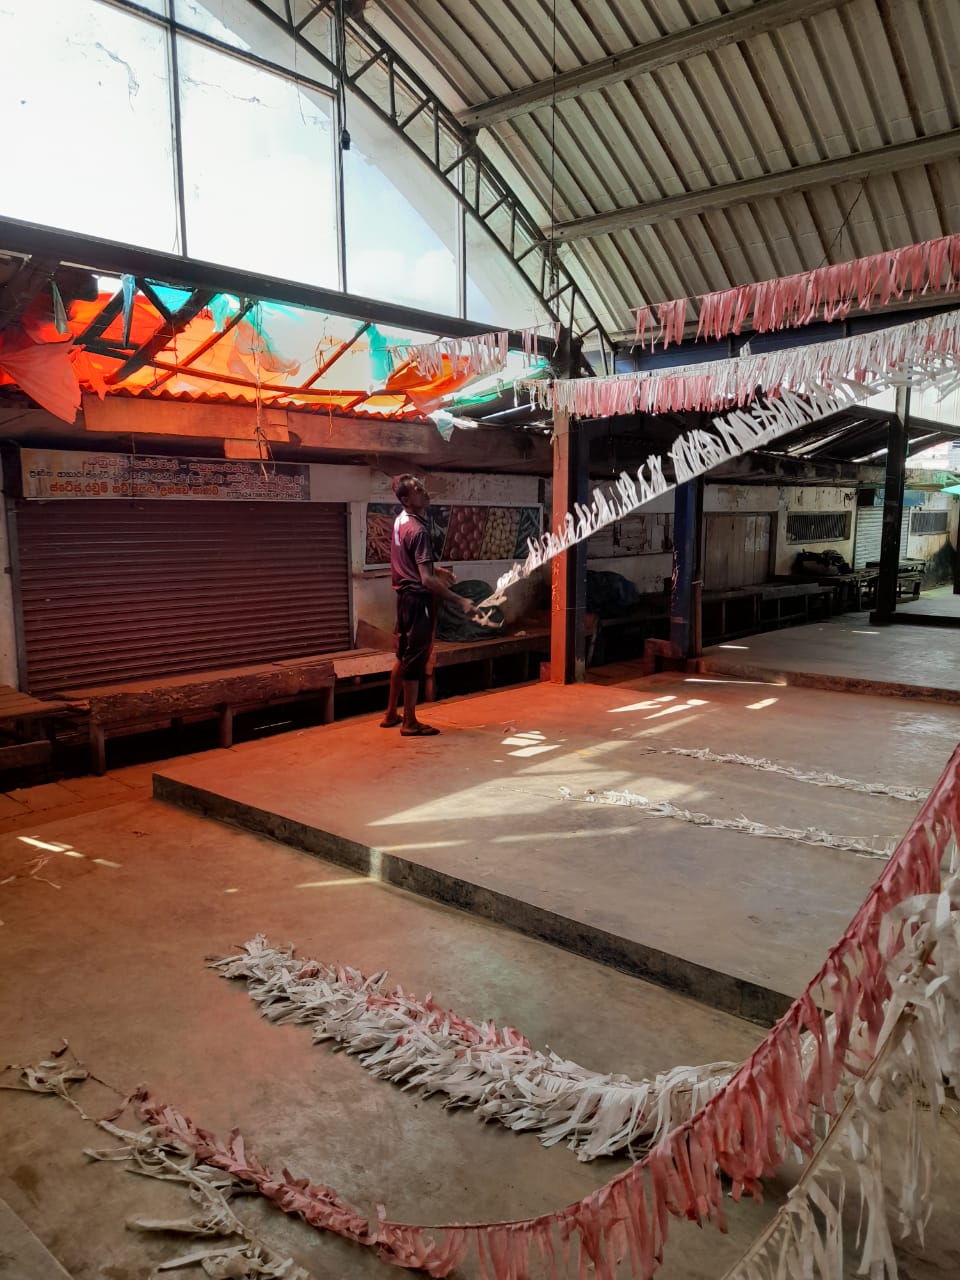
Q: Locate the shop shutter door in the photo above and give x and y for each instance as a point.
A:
(866, 543)
(866, 548)
(114, 591)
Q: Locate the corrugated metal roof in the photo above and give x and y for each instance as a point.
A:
(854, 77)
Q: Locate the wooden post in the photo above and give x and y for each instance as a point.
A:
(568, 570)
(98, 748)
(897, 440)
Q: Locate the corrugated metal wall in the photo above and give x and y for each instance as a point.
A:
(116, 591)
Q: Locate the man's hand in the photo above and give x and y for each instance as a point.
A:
(445, 575)
(468, 607)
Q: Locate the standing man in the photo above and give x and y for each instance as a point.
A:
(418, 585)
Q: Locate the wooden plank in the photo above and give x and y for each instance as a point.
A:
(367, 663)
(17, 754)
(448, 653)
(120, 704)
(13, 702)
(169, 418)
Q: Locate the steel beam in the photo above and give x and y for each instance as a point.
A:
(175, 324)
(382, 79)
(898, 442)
(107, 257)
(687, 582)
(705, 37)
(866, 164)
(23, 286)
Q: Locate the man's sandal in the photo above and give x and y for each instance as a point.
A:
(420, 731)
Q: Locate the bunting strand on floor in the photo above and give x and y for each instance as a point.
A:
(421, 1046)
(815, 777)
(745, 826)
(882, 1016)
(807, 1068)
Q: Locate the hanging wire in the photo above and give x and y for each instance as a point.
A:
(842, 228)
(553, 274)
(259, 433)
(340, 41)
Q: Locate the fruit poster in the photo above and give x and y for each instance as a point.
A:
(459, 532)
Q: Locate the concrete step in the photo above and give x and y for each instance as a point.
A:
(22, 1256)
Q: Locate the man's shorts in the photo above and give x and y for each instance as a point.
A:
(416, 619)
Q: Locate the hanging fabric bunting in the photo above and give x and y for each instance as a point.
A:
(44, 371)
(800, 386)
(644, 317)
(483, 354)
(873, 359)
(825, 293)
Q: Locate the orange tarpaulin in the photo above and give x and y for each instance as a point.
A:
(227, 354)
(44, 371)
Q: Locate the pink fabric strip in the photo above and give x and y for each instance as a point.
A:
(830, 292)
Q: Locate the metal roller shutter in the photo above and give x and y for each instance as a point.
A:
(115, 591)
(868, 533)
(866, 544)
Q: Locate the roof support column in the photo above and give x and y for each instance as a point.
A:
(569, 569)
(687, 583)
(897, 440)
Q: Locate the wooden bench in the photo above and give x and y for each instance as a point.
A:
(746, 611)
(784, 605)
(650, 619)
(137, 704)
(352, 665)
(909, 579)
(31, 723)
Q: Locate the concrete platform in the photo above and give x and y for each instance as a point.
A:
(849, 654)
(940, 607)
(474, 818)
(113, 960)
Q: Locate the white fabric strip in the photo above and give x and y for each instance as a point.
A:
(494, 1070)
(746, 826)
(812, 776)
(808, 383)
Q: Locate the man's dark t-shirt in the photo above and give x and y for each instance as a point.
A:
(411, 547)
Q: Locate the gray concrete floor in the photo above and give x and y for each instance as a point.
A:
(848, 652)
(113, 960)
(482, 803)
(941, 600)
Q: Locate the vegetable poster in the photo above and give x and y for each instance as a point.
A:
(459, 532)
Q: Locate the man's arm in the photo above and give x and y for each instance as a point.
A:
(436, 584)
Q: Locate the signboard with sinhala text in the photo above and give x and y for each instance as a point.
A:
(52, 473)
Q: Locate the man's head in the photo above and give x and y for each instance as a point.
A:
(411, 492)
